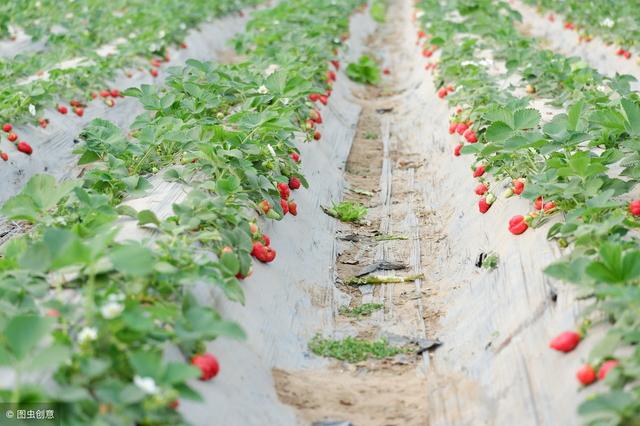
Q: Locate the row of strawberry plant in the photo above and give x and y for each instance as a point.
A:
(616, 22)
(97, 310)
(581, 163)
(139, 34)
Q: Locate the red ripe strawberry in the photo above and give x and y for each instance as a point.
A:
(606, 367)
(12, 137)
(4, 156)
(295, 157)
(421, 34)
(336, 64)
(620, 52)
(479, 171)
(386, 71)
(470, 136)
(565, 342)
(518, 187)
(483, 206)
(314, 97)
(153, 72)
(456, 150)
(257, 249)
(208, 365)
(481, 189)
(183, 45)
(7, 128)
(331, 75)
(294, 182)
(315, 116)
(317, 135)
(53, 313)
(74, 103)
(105, 93)
(452, 127)
(586, 375)
(264, 206)
(517, 225)
(461, 128)
(94, 95)
(174, 404)
(263, 253)
(43, 123)
(62, 109)
(634, 207)
(548, 207)
(155, 62)
(266, 240)
(79, 111)
(427, 53)
(284, 205)
(283, 188)
(442, 93)
(115, 93)
(293, 208)
(627, 54)
(537, 204)
(240, 276)
(25, 148)
(324, 99)
(569, 26)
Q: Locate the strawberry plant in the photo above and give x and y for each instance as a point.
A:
(365, 71)
(579, 165)
(100, 309)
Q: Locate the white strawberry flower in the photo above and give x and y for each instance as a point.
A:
(87, 334)
(32, 109)
(263, 90)
(607, 22)
(116, 297)
(271, 69)
(146, 384)
(111, 310)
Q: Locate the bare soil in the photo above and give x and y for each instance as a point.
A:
(381, 173)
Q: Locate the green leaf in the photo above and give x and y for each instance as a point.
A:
(230, 263)
(147, 364)
(499, 132)
(177, 372)
(228, 185)
(41, 193)
(573, 117)
(24, 332)
(147, 216)
(50, 358)
(631, 266)
(133, 259)
(526, 119)
(632, 111)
